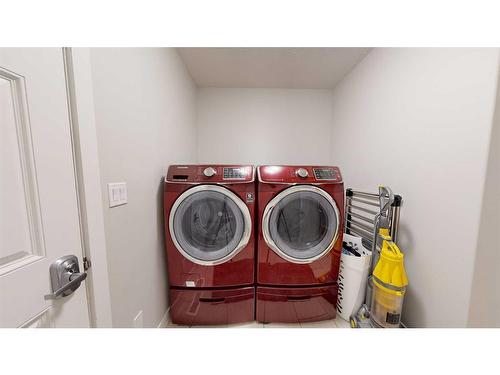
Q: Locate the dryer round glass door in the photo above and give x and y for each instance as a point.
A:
(209, 224)
(301, 223)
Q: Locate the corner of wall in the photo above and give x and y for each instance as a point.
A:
(483, 304)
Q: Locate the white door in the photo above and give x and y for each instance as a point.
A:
(39, 219)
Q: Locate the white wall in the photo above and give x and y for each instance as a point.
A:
(485, 299)
(264, 126)
(437, 103)
(145, 116)
(419, 121)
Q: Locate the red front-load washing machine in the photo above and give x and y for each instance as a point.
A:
(300, 221)
(209, 221)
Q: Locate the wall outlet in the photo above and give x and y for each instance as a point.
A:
(138, 321)
(117, 193)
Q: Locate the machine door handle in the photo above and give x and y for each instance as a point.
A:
(65, 277)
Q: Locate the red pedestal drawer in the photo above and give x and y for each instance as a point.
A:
(212, 307)
(295, 305)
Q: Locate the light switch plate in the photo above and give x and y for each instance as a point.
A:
(117, 193)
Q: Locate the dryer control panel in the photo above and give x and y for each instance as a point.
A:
(210, 173)
(299, 174)
(234, 173)
(325, 174)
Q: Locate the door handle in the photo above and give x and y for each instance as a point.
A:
(72, 285)
(65, 277)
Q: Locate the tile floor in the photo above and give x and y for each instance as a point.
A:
(336, 323)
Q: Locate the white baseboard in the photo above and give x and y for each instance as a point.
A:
(165, 320)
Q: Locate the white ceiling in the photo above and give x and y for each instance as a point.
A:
(317, 68)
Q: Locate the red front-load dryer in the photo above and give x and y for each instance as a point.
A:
(209, 221)
(300, 221)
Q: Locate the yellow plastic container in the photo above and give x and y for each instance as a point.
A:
(389, 282)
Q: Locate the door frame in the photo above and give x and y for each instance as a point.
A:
(80, 101)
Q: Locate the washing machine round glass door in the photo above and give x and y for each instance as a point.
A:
(209, 224)
(301, 223)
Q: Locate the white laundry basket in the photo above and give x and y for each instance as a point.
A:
(353, 275)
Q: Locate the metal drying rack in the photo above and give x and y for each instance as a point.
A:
(365, 214)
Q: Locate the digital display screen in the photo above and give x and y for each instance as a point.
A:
(325, 174)
(234, 173)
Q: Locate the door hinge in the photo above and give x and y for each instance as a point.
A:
(86, 263)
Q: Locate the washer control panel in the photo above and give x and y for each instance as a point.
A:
(234, 173)
(213, 174)
(325, 174)
(299, 174)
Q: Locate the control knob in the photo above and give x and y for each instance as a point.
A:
(209, 172)
(302, 173)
